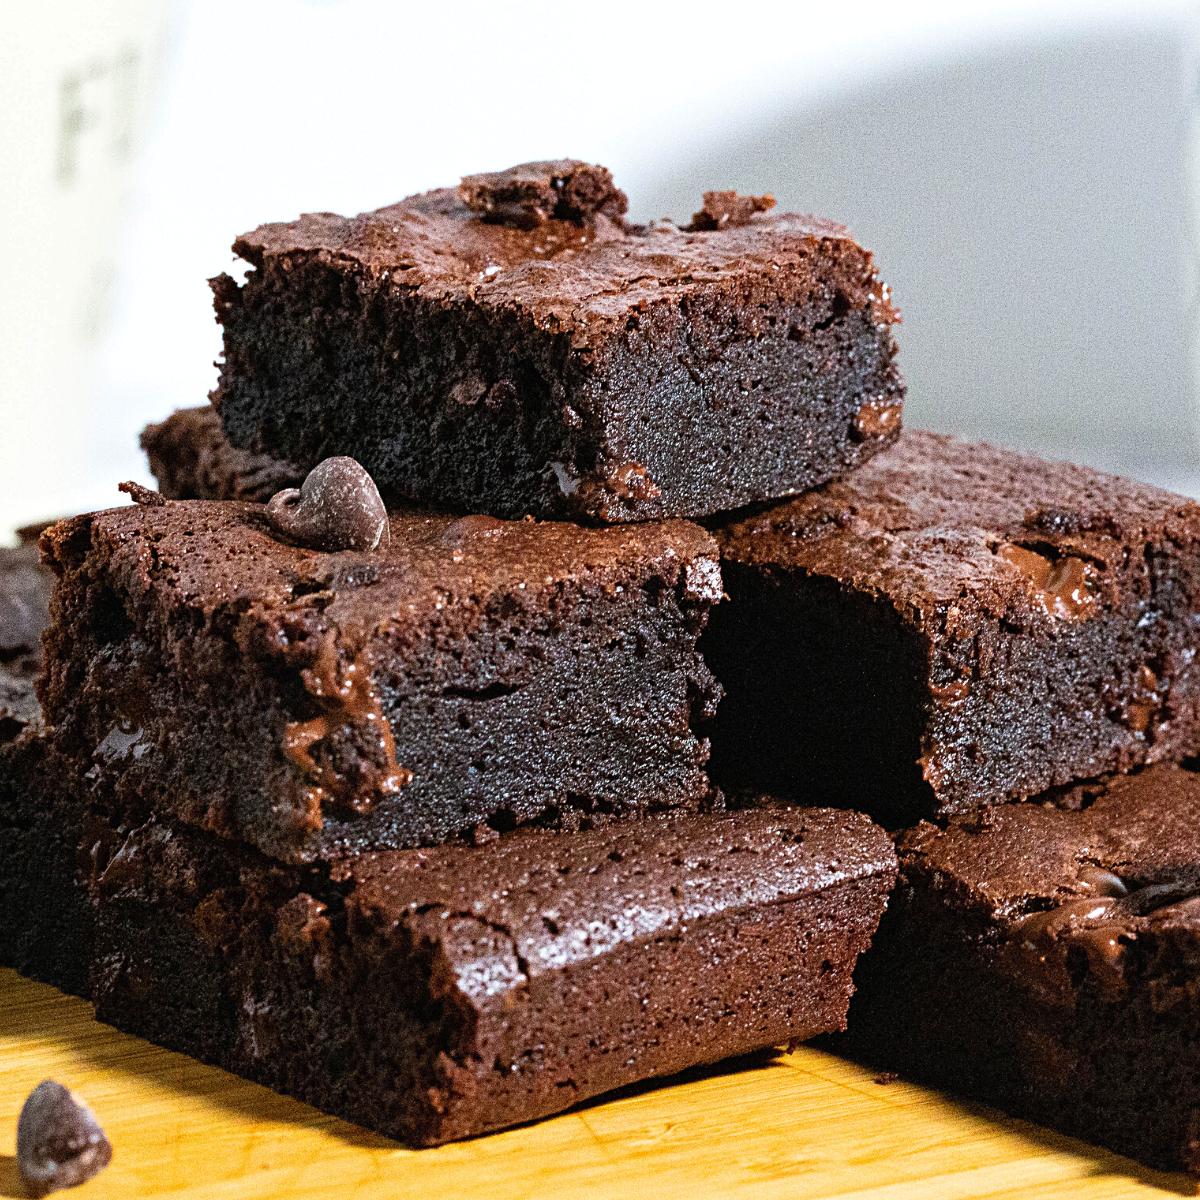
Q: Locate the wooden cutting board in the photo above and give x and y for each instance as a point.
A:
(801, 1125)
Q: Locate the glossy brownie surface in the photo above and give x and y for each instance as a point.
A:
(442, 993)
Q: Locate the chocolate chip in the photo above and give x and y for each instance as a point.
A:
(338, 507)
(139, 494)
(59, 1143)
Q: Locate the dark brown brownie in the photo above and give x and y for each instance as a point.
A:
(516, 347)
(46, 926)
(438, 994)
(192, 460)
(476, 671)
(1044, 958)
(956, 625)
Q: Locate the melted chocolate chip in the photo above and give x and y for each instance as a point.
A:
(1096, 881)
(535, 192)
(59, 1142)
(722, 210)
(338, 507)
(1064, 587)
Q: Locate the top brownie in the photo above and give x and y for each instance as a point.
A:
(516, 346)
(472, 675)
(957, 625)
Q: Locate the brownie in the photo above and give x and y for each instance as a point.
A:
(956, 625)
(24, 612)
(46, 929)
(437, 994)
(192, 460)
(1043, 957)
(473, 673)
(515, 346)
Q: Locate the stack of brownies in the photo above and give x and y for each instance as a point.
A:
(553, 769)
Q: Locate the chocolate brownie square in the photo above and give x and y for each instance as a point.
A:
(956, 625)
(192, 460)
(515, 346)
(46, 926)
(1044, 958)
(473, 673)
(437, 994)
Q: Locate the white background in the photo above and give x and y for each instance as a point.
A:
(1023, 171)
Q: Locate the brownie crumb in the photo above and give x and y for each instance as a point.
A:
(884, 1078)
(139, 494)
(723, 209)
(533, 193)
(59, 1142)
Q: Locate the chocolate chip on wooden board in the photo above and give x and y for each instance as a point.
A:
(337, 507)
(59, 1142)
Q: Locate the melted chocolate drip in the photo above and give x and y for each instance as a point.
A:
(351, 702)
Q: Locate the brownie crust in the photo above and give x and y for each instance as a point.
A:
(475, 673)
(566, 363)
(1042, 957)
(956, 625)
(438, 994)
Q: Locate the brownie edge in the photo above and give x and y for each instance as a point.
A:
(438, 994)
(956, 625)
(1043, 957)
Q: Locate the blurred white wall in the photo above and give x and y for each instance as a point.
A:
(1022, 170)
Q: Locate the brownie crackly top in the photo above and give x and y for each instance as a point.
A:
(949, 528)
(222, 558)
(569, 275)
(545, 892)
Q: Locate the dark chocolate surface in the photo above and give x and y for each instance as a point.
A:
(47, 925)
(1042, 957)
(438, 994)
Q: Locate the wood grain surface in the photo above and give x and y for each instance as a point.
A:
(801, 1125)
